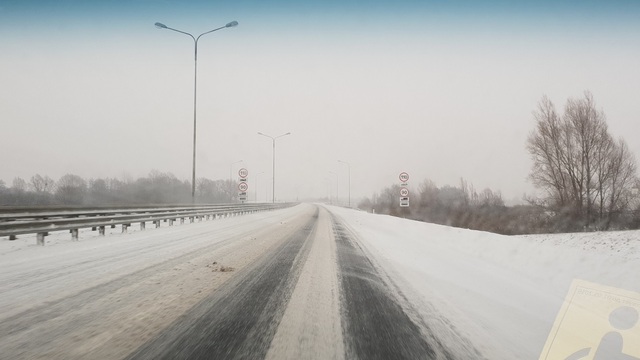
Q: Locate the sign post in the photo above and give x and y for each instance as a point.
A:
(404, 192)
(243, 186)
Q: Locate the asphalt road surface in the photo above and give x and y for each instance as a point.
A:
(288, 284)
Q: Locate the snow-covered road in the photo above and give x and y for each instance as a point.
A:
(311, 281)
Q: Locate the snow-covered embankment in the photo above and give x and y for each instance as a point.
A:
(501, 292)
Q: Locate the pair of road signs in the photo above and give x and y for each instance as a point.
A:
(404, 192)
(243, 186)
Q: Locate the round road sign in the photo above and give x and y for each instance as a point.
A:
(404, 192)
(243, 173)
(404, 177)
(243, 186)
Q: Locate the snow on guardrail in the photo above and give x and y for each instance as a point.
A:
(41, 221)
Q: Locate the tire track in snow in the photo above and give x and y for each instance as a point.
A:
(241, 319)
(24, 321)
(374, 324)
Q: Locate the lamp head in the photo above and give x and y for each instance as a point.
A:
(160, 25)
(232, 24)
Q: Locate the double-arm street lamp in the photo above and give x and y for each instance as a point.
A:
(195, 82)
(273, 191)
(349, 167)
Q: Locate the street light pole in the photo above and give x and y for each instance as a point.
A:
(337, 197)
(195, 88)
(273, 191)
(349, 167)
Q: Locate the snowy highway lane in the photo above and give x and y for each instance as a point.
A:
(270, 285)
(306, 282)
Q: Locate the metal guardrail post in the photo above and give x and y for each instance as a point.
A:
(40, 238)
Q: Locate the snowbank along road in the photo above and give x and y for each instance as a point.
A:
(307, 282)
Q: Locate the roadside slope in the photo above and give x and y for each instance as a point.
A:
(501, 292)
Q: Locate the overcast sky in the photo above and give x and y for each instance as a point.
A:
(439, 89)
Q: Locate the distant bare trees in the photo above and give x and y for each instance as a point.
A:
(216, 191)
(586, 175)
(156, 188)
(588, 180)
(41, 184)
(19, 185)
(456, 206)
(71, 189)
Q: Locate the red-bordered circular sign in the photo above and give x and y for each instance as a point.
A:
(243, 173)
(404, 177)
(404, 192)
(243, 186)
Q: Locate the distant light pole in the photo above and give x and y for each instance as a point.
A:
(195, 82)
(273, 191)
(337, 197)
(257, 177)
(349, 167)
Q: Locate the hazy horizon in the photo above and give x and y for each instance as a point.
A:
(441, 90)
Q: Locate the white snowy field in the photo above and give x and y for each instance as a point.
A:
(502, 293)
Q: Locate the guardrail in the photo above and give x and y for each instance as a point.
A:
(42, 220)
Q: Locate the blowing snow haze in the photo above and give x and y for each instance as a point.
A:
(441, 90)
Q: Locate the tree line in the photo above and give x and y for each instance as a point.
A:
(587, 181)
(459, 206)
(156, 188)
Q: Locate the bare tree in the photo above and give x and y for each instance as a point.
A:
(582, 171)
(71, 189)
(41, 184)
(587, 131)
(622, 168)
(546, 146)
(490, 198)
(18, 185)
